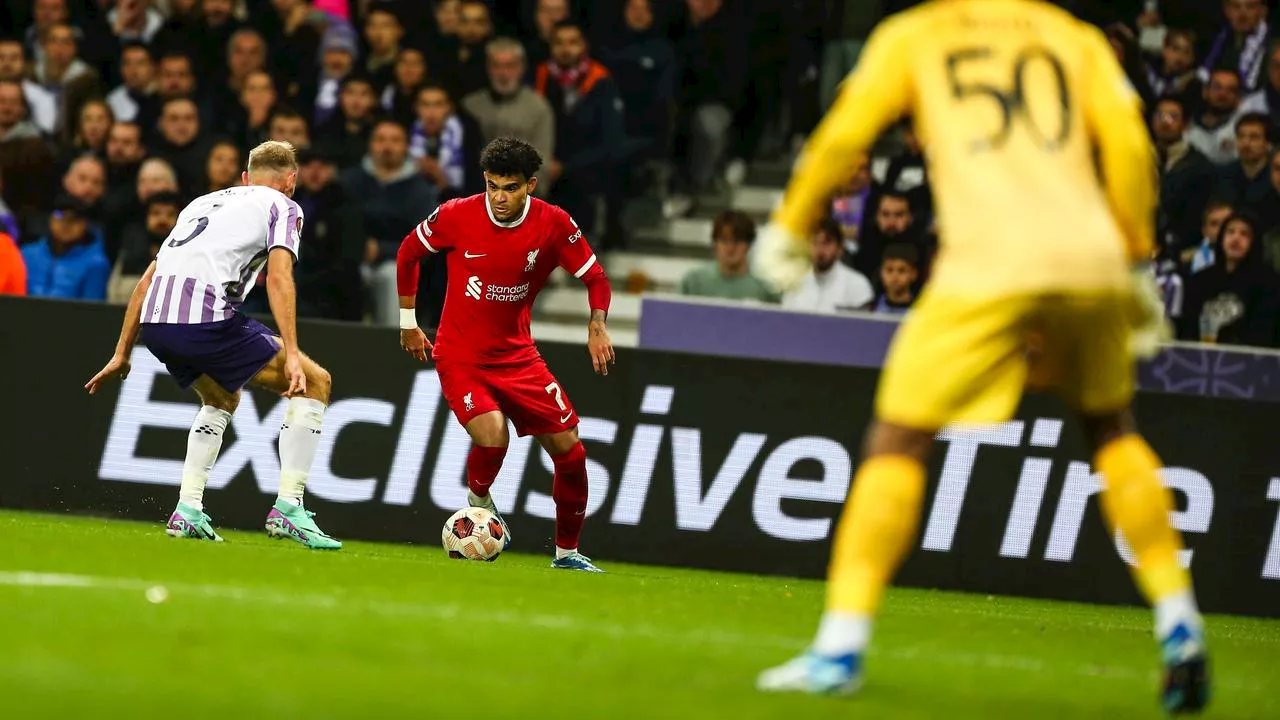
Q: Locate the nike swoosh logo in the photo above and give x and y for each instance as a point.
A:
(468, 255)
(565, 419)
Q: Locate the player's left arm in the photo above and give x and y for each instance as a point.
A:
(577, 259)
(875, 95)
(119, 364)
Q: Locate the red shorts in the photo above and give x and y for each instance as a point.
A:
(527, 394)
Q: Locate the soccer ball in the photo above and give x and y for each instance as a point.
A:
(472, 533)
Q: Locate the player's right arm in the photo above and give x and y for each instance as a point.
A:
(119, 363)
(283, 296)
(428, 237)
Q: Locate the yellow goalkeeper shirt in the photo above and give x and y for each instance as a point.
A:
(1043, 175)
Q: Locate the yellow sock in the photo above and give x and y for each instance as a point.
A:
(1135, 501)
(875, 533)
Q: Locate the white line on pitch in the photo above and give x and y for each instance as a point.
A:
(559, 622)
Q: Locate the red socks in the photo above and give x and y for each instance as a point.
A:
(569, 490)
(483, 464)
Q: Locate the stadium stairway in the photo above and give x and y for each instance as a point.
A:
(658, 255)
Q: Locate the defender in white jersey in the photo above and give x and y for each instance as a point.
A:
(185, 309)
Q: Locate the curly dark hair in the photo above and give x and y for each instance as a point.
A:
(510, 157)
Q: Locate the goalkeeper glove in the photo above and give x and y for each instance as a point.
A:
(781, 259)
(1149, 329)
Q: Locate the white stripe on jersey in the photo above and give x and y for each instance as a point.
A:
(423, 238)
(586, 266)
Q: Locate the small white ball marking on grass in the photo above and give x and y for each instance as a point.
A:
(157, 594)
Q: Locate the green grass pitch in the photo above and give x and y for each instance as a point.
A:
(261, 628)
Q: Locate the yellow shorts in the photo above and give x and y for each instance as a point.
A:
(967, 361)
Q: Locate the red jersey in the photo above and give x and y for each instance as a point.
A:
(495, 271)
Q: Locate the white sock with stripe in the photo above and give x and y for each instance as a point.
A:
(204, 442)
(299, 440)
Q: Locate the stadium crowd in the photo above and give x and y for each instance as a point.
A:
(114, 113)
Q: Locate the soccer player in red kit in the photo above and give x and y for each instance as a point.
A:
(503, 245)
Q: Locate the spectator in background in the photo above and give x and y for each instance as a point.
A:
(729, 276)
(462, 61)
(713, 59)
(1186, 175)
(1128, 53)
(1233, 301)
(448, 17)
(295, 50)
(13, 270)
(643, 64)
(125, 154)
(128, 99)
(86, 181)
(1269, 215)
(894, 222)
(400, 97)
(141, 244)
(87, 135)
(42, 103)
(23, 154)
(328, 273)
(547, 15)
(1174, 72)
(394, 197)
(176, 80)
(510, 108)
(181, 145)
(340, 53)
(135, 21)
(1246, 182)
(446, 144)
(1241, 46)
(222, 170)
(289, 125)
(250, 122)
(907, 174)
(345, 135)
(207, 40)
(69, 262)
(899, 271)
(1204, 253)
(383, 32)
(64, 75)
(1213, 132)
(588, 122)
(851, 209)
(156, 176)
(246, 55)
(1267, 99)
(830, 286)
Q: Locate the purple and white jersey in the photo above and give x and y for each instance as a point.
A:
(212, 259)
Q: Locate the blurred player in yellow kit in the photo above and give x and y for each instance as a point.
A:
(1021, 108)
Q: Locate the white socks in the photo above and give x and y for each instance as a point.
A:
(842, 633)
(561, 552)
(299, 440)
(1179, 608)
(203, 444)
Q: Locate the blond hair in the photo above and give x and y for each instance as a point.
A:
(273, 156)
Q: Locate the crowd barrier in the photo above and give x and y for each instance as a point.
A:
(715, 462)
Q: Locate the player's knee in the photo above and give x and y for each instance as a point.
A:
(489, 430)
(1103, 428)
(889, 439)
(319, 385)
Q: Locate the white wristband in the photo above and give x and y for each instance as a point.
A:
(408, 319)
